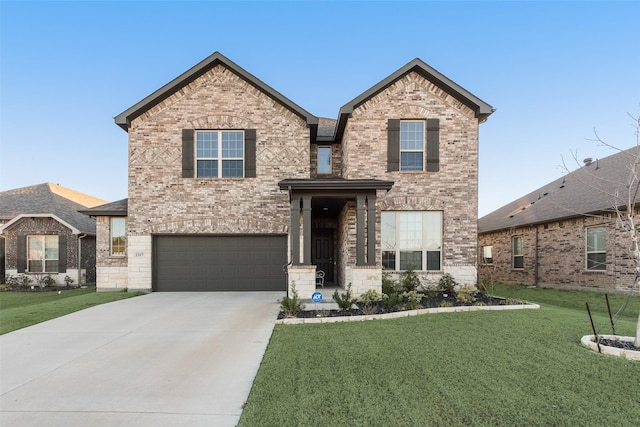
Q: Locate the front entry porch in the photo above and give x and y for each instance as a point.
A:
(333, 229)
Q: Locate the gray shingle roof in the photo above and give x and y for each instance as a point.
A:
(117, 208)
(49, 199)
(589, 189)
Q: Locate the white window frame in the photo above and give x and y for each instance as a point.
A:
(43, 256)
(515, 255)
(328, 147)
(394, 246)
(112, 228)
(587, 252)
(487, 254)
(219, 158)
(422, 151)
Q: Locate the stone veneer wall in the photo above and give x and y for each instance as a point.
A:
(560, 256)
(453, 190)
(111, 272)
(162, 202)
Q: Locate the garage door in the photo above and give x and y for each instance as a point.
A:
(219, 263)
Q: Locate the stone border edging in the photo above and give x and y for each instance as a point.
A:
(397, 314)
(588, 341)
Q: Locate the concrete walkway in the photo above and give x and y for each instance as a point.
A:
(162, 359)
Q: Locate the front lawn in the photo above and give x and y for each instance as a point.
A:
(21, 309)
(522, 367)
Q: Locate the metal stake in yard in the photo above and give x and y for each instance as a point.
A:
(613, 328)
(595, 334)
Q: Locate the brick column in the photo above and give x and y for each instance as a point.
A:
(306, 229)
(294, 231)
(360, 200)
(371, 230)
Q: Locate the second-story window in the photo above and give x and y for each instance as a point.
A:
(324, 160)
(412, 143)
(219, 154)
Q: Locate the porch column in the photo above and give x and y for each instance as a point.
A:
(360, 200)
(294, 230)
(306, 228)
(371, 230)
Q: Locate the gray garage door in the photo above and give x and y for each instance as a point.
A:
(219, 263)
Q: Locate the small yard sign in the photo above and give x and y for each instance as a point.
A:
(316, 297)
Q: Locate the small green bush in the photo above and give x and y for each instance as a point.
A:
(447, 283)
(412, 299)
(68, 280)
(291, 305)
(369, 301)
(48, 280)
(430, 290)
(391, 300)
(344, 300)
(466, 294)
(409, 280)
(446, 304)
(389, 286)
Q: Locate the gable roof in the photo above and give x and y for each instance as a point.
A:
(481, 108)
(124, 119)
(49, 200)
(587, 190)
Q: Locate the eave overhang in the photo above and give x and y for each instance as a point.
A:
(125, 118)
(314, 185)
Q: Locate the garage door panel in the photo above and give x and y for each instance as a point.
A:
(219, 263)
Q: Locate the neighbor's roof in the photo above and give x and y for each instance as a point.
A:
(124, 119)
(589, 189)
(117, 208)
(52, 200)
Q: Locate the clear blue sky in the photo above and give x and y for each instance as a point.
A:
(553, 70)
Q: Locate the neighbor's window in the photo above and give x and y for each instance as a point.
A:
(487, 254)
(118, 237)
(220, 154)
(518, 252)
(596, 248)
(411, 240)
(42, 254)
(412, 145)
(324, 160)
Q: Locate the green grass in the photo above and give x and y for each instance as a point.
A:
(521, 367)
(21, 309)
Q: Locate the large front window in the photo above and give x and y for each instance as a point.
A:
(596, 248)
(42, 254)
(411, 240)
(412, 144)
(118, 237)
(220, 154)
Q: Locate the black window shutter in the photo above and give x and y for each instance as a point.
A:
(249, 153)
(62, 254)
(187, 153)
(393, 145)
(433, 145)
(22, 254)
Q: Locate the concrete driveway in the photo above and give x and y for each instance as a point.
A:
(161, 359)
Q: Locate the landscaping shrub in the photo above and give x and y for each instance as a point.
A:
(370, 301)
(291, 305)
(447, 283)
(389, 286)
(409, 280)
(412, 299)
(466, 294)
(344, 300)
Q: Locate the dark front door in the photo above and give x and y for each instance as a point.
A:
(322, 253)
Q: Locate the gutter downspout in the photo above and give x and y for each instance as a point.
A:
(80, 237)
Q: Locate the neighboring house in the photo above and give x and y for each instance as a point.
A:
(42, 233)
(232, 186)
(563, 234)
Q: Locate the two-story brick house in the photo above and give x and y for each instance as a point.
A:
(232, 186)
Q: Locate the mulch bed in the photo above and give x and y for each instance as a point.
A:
(434, 301)
(625, 345)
